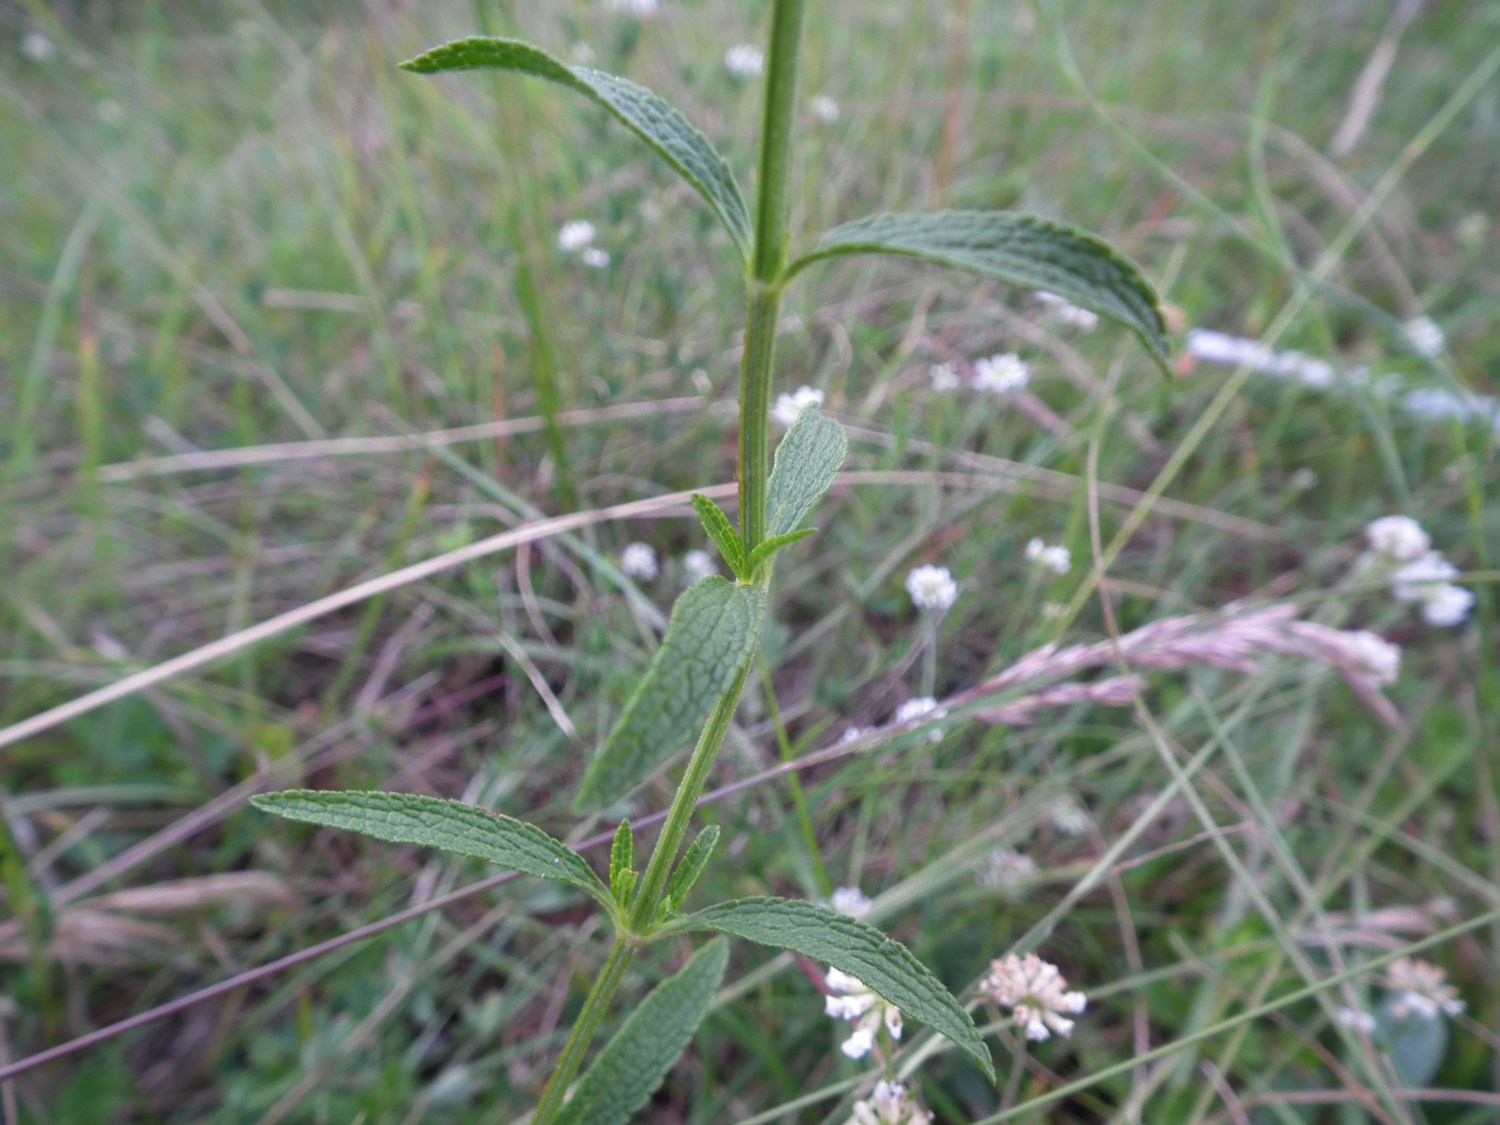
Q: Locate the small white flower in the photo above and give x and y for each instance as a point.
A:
(853, 1000)
(1399, 538)
(932, 587)
(575, 235)
(37, 47)
(890, 1104)
(1066, 313)
(594, 257)
(787, 407)
(918, 708)
(1376, 657)
(698, 565)
(639, 561)
(1001, 374)
(851, 901)
(1446, 606)
(1419, 579)
(744, 61)
(1303, 480)
(641, 9)
(1421, 989)
(1068, 816)
(1034, 991)
(824, 108)
(1059, 560)
(1425, 337)
(944, 377)
(852, 734)
(1356, 1018)
(1228, 351)
(1005, 867)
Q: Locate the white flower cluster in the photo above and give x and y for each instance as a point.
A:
(1001, 374)
(1034, 991)
(787, 407)
(850, 900)
(918, 708)
(577, 237)
(1356, 1019)
(37, 47)
(744, 61)
(890, 1104)
(824, 108)
(944, 377)
(854, 1001)
(1431, 404)
(698, 565)
(641, 9)
(1059, 560)
(1421, 989)
(639, 561)
(1066, 313)
(1401, 552)
(1006, 868)
(1068, 816)
(1425, 337)
(932, 587)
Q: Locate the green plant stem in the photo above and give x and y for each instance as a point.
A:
(755, 407)
(583, 1031)
(765, 287)
(689, 789)
(767, 266)
(773, 188)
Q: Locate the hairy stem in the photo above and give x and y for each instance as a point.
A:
(689, 789)
(583, 1032)
(765, 286)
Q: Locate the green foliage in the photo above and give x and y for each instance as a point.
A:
(768, 547)
(711, 633)
(883, 964)
(450, 826)
(807, 460)
(722, 534)
(633, 1064)
(622, 873)
(1019, 249)
(651, 119)
(689, 867)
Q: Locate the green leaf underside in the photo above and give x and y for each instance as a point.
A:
(1016, 248)
(449, 826)
(721, 533)
(646, 115)
(882, 963)
(690, 866)
(771, 546)
(711, 633)
(807, 460)
(633, 1064)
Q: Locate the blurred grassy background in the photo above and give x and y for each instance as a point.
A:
(226, 226)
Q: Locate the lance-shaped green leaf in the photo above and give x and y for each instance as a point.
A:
(883, 964)
(807, 460)
(633, 1064)
(1019, 249)
(689, 867)
(449, 826)
(769, 547)
(710, 635)
(656, 122)
(622, 865)
(722, 533)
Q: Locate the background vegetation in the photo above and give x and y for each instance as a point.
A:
(226, 227)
